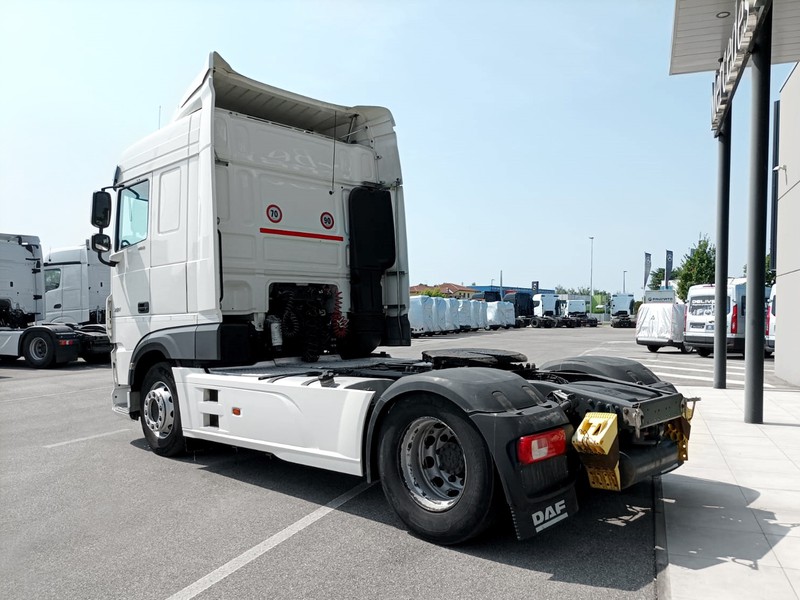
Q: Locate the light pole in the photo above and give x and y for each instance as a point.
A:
(623, 281)
(491, 285)
(591, 269)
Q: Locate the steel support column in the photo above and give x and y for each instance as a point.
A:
(761, 62)
(721, 276)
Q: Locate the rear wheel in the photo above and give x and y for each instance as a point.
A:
(436, 470)
(652, 348)
(39, 350)
(160, 415)
(686, 348)
(704, 352)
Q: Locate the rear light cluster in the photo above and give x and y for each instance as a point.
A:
(71, 342)
(541, 446)
(766, 329)
(735, 319)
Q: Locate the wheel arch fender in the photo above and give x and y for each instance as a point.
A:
(149, 352)
(470, 389)
(613, 367)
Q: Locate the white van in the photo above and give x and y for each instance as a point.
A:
(700, 310)
(660, 324)
(769, 343)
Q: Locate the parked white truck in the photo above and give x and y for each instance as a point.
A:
(76, 286)
(51, 313)
(622, 310)
(259, 258)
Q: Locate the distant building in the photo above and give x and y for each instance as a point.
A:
(449, 290)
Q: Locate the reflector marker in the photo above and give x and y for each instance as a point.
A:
(302, 234)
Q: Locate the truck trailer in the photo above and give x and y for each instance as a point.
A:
(261, 332)
(46, 313)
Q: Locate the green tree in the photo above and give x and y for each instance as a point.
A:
(698, 266)
(657, 277)
(436, 292)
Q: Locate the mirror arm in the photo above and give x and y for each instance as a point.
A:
(109, 263)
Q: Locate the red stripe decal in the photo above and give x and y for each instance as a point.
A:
(303, 234)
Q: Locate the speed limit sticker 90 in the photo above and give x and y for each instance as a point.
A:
(326, 219)
(274, 213)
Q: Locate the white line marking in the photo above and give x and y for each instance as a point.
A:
(660, 366)
(667, 376)
(91, 437)
(58, 394)
(249, 556)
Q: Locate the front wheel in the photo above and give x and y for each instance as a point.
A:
(436, 470)
(653, 348)
(704, 352)
(686, 349)
(160, 415)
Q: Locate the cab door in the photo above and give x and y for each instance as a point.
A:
(130, 283)
(53, 294)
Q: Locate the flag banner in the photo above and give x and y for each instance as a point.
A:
(668, 270)
(646, 268)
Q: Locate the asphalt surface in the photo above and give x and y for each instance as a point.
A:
(87, 511)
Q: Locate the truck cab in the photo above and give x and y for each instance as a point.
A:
(77, 285)
(622, 310)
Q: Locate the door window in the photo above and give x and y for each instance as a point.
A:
(133, 214)
(52, 279)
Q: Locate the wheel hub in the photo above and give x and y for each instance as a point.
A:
(432, 464)
(159, 410)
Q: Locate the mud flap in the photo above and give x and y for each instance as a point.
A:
(545, 513)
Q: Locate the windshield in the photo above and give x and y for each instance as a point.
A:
(703, 306)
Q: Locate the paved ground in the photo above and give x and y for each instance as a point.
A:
(732, 512)
(87, 511)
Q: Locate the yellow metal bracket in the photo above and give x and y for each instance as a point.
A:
(598, 447)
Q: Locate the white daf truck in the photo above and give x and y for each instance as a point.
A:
(51, 310)
(259, 258)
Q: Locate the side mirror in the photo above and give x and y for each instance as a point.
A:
(101, 242)
(101, 211)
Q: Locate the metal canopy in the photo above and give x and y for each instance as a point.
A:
(702, 29)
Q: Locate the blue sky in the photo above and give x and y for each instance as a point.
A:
(524, 126)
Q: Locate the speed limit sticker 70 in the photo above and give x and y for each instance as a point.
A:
(274, 213)
(326, 219)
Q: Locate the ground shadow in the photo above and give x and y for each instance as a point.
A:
(608, 543)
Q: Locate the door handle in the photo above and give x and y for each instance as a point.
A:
(57, 306)
(144, 307)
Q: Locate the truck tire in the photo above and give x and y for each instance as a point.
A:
(160, 415)
(704, 352)
(686, 348)
(39, 350)
(436, 470)
(653, 348)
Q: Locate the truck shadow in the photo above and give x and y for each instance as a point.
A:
(608, 543)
